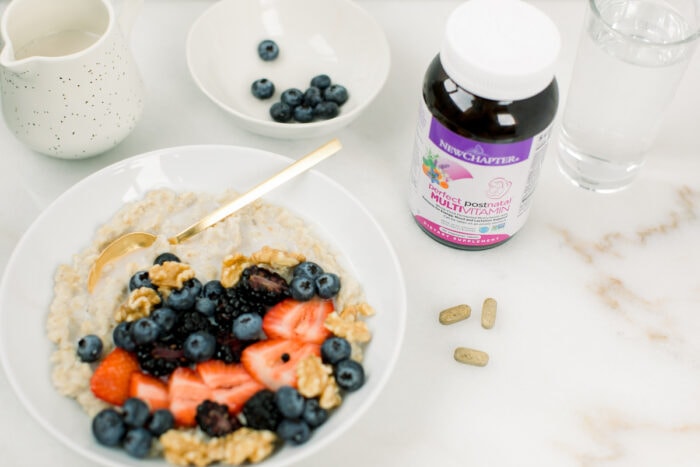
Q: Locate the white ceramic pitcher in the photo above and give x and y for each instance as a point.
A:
(70, 86)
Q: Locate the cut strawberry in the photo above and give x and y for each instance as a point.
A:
(273, 362)
(149, 389)
(231, 384)
(110, 381)
(292, 319)
(186, 391)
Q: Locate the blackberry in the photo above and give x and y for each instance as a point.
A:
(189, 322)
(263, 286)
(229, 349)
(233, 303)
(215, 420)
(261, 412)
(159, 359)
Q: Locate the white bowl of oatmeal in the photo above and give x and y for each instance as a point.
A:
(136, 193)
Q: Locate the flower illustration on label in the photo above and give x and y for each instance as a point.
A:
(498, 187)
(441, 172)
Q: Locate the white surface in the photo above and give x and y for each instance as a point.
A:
(594, 355)
(337, 217)
(348, 45)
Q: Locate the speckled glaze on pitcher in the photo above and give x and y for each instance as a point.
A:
(70, 86)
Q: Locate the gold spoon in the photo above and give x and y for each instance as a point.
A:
(135, 240)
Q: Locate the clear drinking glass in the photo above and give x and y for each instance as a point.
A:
(631, 57)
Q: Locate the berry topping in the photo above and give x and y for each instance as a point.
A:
(161, 421)
(263, 286)
(307, 269)
(208, 300)
(199, 346)
(262, 88)
(110, 381)
(161, 359)
(140, 279)
(273, 362)
(144, 331)
(137, 442)
(153, 391)
(108, 427)
(289, 402)
(327, 285)
(261, 411)
(215, 420)
(163, 257)
(349, 375)
(335, 349)
(295, 431)
(231, 384)
(302, 288)
(121, 336)
(181, 299)
(135, 412)
(189, 322)
(166, 319)
(292, 319)
(268, 50)
(314, 414)
(247, 326)
(186, 390)
(89, 348)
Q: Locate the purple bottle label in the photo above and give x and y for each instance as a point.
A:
(471, 193)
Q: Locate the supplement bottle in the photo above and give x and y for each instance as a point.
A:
(489, 99)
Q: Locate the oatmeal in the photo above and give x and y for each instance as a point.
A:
(209, 325)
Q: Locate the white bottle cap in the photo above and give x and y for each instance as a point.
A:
(500, 49)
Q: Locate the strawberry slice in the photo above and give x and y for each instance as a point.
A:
(186, 391)
(292, 319)
(231, 384)
(273, 361)
(110, 381)
(149, 389)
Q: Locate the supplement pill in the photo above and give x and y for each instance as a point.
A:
(456, 313)
(471, 356)
(488, 313)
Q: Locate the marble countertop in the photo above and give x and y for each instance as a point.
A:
(595, 356)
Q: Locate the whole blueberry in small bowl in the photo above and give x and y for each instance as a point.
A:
(338, 55)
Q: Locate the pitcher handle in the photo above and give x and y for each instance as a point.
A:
(129, 11)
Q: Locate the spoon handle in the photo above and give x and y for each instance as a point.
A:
(268, 185)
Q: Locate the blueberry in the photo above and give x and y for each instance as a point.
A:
(194, 285)
(289, 402)
(89, 348)
(321, 81)
(292, 97)
(336, 93)
(294, 431)
(268, 50)
(165, 318)
(326, 110)
(161, 421)
(313, 96)
(335, 349)
(135, 412)
(281, 112)
(181, 299)
(247, 326)
(199, 346)
(349, 375)
(108, 427)
(209, 298)
(308, 269)
(140, 279)
(302, 288)
(303, 113)
(262, 88)
(137, 442)
(327, 285)
(314, 415)
(163, 257)
(121, 336)
(144, 331)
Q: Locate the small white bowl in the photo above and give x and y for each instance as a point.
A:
(333, 37)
